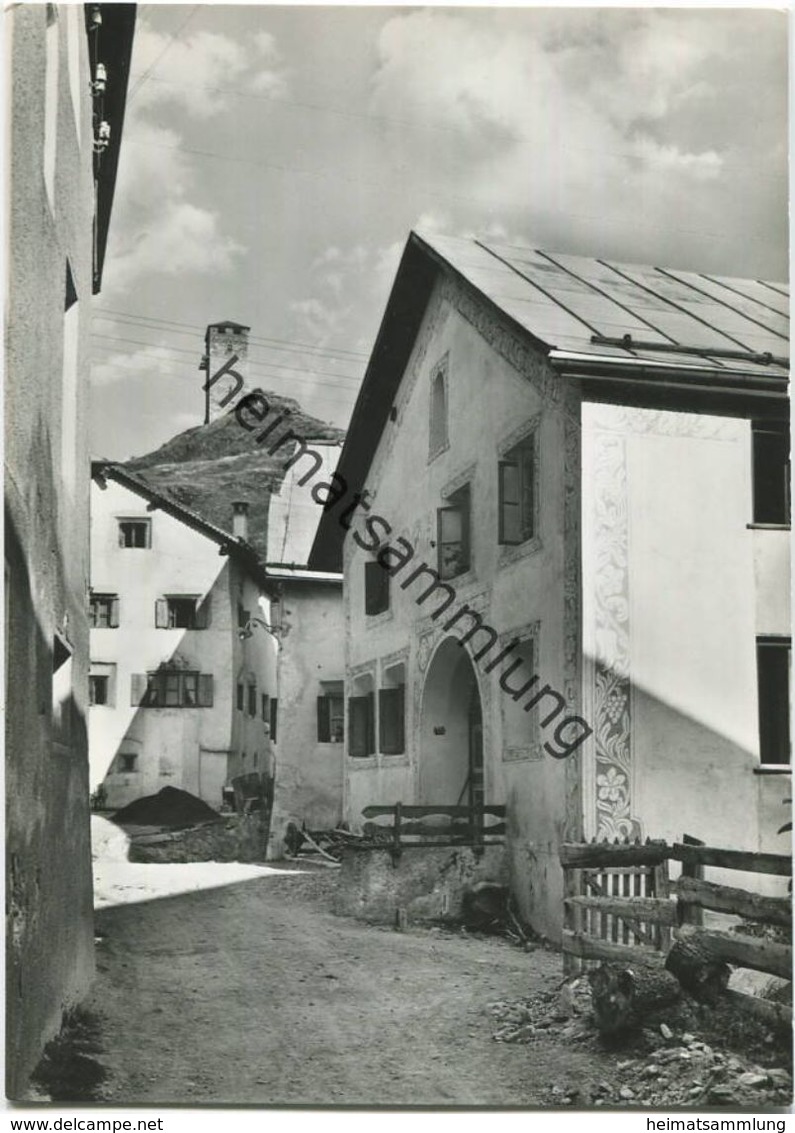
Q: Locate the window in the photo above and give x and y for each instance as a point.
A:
(172, 688)
(771, 473)
(438, 415)
(376, 588)
(135, 533)
(243, 616)
(182, 612)
(102, 684)
(128, 761)
(773, 673)
(265, 707)
(274, 716)
(453, 534)
(361, 725)
(331, 714)
(241, 698)
(252, 700)
(391, 714)
(98, 689)
(103, 611)
(517, 493)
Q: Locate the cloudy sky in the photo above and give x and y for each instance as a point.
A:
(275, 159)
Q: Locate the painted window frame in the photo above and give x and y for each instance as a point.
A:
(138, 521)
(458, 503)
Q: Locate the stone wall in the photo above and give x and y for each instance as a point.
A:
(427, 882)
(239, 838)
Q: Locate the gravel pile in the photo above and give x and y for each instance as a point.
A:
(681, 1062)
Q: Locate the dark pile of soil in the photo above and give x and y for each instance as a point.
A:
(169, 807)
(67, 1071)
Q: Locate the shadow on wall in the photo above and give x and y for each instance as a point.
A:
(48, 853)
(157, 742)
(656, 772)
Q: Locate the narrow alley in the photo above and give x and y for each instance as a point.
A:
(255, 993)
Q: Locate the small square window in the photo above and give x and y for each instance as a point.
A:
(135, 533)
(128, 762)
(103, 611)
(98, 689)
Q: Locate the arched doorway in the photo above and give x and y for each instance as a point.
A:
(451, 730)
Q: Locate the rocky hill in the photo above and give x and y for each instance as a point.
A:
(209, 466)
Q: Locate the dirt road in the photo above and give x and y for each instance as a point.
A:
(256, 994)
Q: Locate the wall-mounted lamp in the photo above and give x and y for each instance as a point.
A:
(248, 629)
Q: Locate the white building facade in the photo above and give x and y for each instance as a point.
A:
(183, 665)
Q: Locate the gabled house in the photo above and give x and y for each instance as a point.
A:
(562, 516)
(183, 665)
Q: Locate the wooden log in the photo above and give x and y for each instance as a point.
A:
(412, 811)
(770, 1012)
(725, 899)
(778, 864)
(589, 947)
(655, 910)
(744, 951)
(701, 973)
(624, 997)
(603, 855)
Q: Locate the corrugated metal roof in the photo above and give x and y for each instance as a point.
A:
(573, 303)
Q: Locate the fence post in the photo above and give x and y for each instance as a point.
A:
(572, 917)
(396, 847)
(662, 888)
(687, 913)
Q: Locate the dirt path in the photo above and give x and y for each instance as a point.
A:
(255, 993)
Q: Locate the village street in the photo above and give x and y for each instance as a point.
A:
(255, 993)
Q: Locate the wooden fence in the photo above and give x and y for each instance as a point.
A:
(620, 905)
(434, 825)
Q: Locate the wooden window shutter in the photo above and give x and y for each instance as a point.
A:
(358, 726)
(205, 690)
(323, 720)
(113, 617)
(138, 686)
(203, 612)
(376, 588)
(390, 720)
(370, 723)
(161, 614)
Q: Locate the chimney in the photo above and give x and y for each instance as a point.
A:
(225, 366)
(240, 520)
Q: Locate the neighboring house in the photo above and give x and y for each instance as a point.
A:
(67, 82)
(308, 618)
(183, 666)
(579, 607)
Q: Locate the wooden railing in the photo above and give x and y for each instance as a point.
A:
(436, 824)
(620, 905)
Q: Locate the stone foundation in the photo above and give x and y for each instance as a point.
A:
(428, 883)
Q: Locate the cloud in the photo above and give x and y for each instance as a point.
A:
(563, 125)
(197, 72)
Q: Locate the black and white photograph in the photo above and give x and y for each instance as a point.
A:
(397, 565)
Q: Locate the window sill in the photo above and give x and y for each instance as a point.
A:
(768, 526)
(362, 762)
(371, 620)
(773, 769)
(512, 552)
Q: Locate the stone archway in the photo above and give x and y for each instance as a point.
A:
(451, 730)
